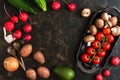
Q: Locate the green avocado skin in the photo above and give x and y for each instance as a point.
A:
(65, 73)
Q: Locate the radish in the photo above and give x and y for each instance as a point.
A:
(71, 6)
(9, 26)
(27, 37)
(23, 16)
(27, 28)
(17, 34)
(14, 19)
(56, 5)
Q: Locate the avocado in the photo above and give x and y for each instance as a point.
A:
(65, 73)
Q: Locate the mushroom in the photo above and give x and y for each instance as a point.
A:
(86, 12)
(99, 23)
(116, 30)
(105, 16)
(88, 39)
(113, 20)
(92, 30)
(108, 24)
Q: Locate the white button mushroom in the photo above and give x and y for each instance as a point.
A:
(113, 20)
(99, 23)
(88, 39)
(86, 12)
(105, 16)
(116, 30)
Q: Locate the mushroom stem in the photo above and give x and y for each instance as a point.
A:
(89, 43)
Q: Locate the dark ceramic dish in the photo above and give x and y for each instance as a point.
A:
(89, 67)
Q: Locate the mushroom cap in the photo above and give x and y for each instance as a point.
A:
(108, 23)
(105, 16)
(116, 30)
(86, 12)
(113, 20)
(93, 29)
(89, 38)
(99, 23)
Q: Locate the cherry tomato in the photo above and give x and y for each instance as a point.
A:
(90, 51)
(101, 53)
(99, 77)
(96, 60)
(115, 61)
(106, 73)
(85, 58)
(110, 38)
(99, 36)
(106, 46)
(106, 30)
(96, 44)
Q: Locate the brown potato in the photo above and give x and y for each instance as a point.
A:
(39, 57)
(11, 64)
(43, 72)
(31, 74)
(26, 50)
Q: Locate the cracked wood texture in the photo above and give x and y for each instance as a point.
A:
(57, 34)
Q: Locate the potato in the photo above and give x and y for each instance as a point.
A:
(31, 74)
(26, 50)
(43, 72)
(39, 57)
(11, 64)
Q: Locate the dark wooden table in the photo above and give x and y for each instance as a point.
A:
(57, 34)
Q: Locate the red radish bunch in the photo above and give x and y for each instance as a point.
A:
(27, 28)
(106, 73)
(56, 5)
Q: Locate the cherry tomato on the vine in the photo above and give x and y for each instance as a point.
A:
(101, 53)
(106, 30)
(110, 38)
(106, 46)
(96, 60)
(96, 44)
(99, 36)
(90, 51)
(85, 58)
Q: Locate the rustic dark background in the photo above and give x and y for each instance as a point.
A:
(57, 34)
